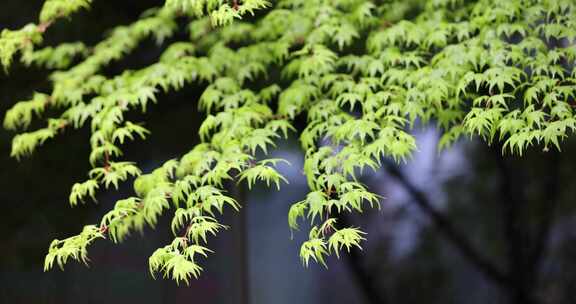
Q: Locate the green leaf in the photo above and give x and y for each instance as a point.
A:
(346, 237)
(81, 190)
(315, 249)
(262, 172)
(296, 211)
(317, 202)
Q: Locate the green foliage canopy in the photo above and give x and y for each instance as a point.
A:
(361, 72)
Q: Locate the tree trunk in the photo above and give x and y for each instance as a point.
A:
(241, 252)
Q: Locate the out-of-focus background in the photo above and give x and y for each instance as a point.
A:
(466, 225)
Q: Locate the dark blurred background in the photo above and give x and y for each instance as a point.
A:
(467, 225)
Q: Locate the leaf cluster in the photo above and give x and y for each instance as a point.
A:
(361, 73)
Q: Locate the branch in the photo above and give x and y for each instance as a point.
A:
(42, 27)
(447, 230)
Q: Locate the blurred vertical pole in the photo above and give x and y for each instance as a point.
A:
(365, 281)
(514, 204)
(547, 214)
(241, 254)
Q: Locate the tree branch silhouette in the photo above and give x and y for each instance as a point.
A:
(448, 230)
